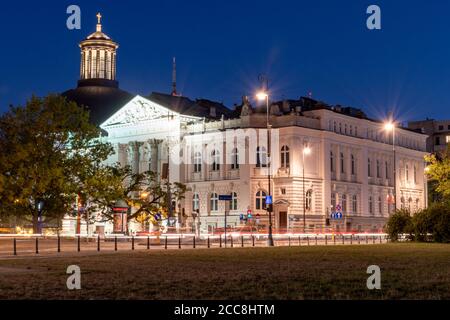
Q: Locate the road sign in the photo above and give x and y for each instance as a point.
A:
(338, 208)
(225, 197)
(268, 199)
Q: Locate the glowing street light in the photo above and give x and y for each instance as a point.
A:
(388, 127)
(144, 195)
(262, 96)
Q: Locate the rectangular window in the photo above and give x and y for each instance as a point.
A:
(447, 139)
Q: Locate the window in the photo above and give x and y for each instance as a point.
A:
(283, 191)
(260, 200)
(342, 163)
(215, 157)
(331, 161)
(353, 164)
(234, 159)
(334, 127)
(369, 169)
(356, 131)
(345, 130)
(438, 141)
(195, 202)
(354, 204)
(308, 200)
(415, 174)
(340, 127)
(409, 204)
(333, 201)
(344, 202)
(197, 162)
(441, 127)
(378, 169)
(370, 205)
(261, 157)
(447, 139)
(417, 205)
(407, 173)
(214, 202)
(234, 201)
(285, 157)
(402, 201)
(386, 168)
(380, 206)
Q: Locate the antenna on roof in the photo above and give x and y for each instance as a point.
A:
(174, 77)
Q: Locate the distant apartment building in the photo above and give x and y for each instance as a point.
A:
(438, 132)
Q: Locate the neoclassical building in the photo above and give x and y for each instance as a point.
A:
(348, 167)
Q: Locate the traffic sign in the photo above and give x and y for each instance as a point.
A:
(225, 197)
(268, 199)
(338, 208)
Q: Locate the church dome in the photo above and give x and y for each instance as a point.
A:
(98, 90)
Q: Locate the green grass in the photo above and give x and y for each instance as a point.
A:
(409, 271)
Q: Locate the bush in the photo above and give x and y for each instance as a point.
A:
(434, 220)
(400, 222)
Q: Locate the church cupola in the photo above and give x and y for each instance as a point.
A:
(98, 59)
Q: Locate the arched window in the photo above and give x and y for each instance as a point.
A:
(344, 203)
(354, 204)
(380, 206)
(285, 157)
(378, 169)
(197, 162)
(195, 202)
(234, 201)
(353, 164)
(234, 159)
(215, 157)
(342, 162)
(331, 161)
(260, 200)
(370, 205)
(214, 202)
(308, 200)
(369, 167)
(261, 157)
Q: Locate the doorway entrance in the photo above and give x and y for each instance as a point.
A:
(282, 220)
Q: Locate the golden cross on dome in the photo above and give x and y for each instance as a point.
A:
(99, 18)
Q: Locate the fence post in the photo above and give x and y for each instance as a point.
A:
(316, 240)
(334, 239)
(307, 238)
(289, 241)
(242, 241)
(373, 239)
(220, 241)
(351, 239)
(380, 239)
(148, 242)
(343, 239)
(359, 240)
(59, 243)
(299, 241)
(253, 241)
(79, 244)
(326, 239)
(231, 241)
(165, 243)
(15, 247)
(132, 242)
(193, 243)
(98, 243)
(115, 243)
(179, 242)
(367, 239)
(208, 243)
(37, 245)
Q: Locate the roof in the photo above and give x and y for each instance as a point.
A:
(198, 108)
(101, 101)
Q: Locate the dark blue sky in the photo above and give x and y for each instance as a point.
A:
(221, 47)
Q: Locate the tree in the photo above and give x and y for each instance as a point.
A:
(399, 223)
(438, 171)
(48, 148)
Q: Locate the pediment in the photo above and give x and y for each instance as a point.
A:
(138, 110)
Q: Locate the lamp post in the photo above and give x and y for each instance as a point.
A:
(263, 95)
(306, 151)
(390, 126)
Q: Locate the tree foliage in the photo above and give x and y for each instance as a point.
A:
(438, 171)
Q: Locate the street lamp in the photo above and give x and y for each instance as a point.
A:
(306, 151)
(263, 95)
(390, 126)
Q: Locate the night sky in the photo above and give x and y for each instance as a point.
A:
(221, 47)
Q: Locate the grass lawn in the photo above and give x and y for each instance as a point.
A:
(408, 271)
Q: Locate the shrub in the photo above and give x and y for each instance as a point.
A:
(434, 220)
(400, 222)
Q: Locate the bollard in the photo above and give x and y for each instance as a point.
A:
(15, 247)
(253, 241)
(351, 239)
(115, 243)
(165, 243)
(98, 243)
(220, 241)
(380, 239)
(79, 244)
(316, 240)
(299, 241)
(231, 241)
(343, 239)
(148, 242)
(373, 239)
(132, 242)
(179, 242)
(367, 239)
(242, 241)
(359, 240)
(326, 239)
(37, 245)
(208, 243)
(59, 243)
(307, 238)
(193, 242)
(334, 239)
(289, 241)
